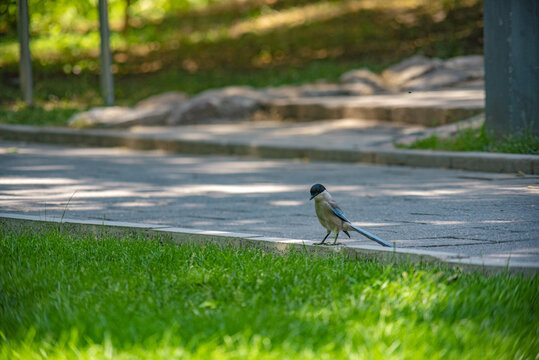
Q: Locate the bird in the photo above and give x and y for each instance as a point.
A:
(332, 217)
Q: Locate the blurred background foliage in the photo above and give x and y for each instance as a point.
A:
(192, 45)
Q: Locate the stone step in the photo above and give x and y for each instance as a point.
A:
(427, 108)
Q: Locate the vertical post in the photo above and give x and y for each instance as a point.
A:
(511, 66)
(107, 85)
(25, 62)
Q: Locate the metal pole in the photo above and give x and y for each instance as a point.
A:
(511, 66)
(107, 84)
(25, 62)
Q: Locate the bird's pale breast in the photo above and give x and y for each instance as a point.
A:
(326, 217)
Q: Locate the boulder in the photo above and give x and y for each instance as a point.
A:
(168, 98)
(281, 92)
(151, 111)
(320, 90)
(439, 78)
(409, 69)
(362, 82)
(361, 88)
(472, 65)
(421, 73)
(229, 103)
(120, 117)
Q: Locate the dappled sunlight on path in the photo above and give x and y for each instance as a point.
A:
(423, 208)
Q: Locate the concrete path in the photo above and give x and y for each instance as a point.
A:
(477, 214)
(343, 140)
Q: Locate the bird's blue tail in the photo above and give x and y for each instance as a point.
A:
(371, 236)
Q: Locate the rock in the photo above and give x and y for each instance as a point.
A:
(281, 92)
(409, 69)
(229, 103)
(239, 102)
(362, 82)
(168, 98)
(120, 117)
(196, 110)
(360, 75)
(438, 78)
(361, 88)
(97, 116)
(473, 65)
(420, 73)
(151, 111)
(318, 90)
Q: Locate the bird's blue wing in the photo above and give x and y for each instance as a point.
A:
(338, 212)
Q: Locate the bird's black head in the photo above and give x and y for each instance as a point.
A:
(317, 189)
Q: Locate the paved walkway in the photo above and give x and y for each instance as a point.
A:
(344, 140)
(340, 134)
(477, 214)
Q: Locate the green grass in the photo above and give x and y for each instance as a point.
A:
(36, 116)
(66, 297)
(255, 34)
(479, 140)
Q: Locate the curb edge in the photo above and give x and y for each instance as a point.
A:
(19, 222)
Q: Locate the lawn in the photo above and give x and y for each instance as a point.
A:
(479, 140)
(199, 44)
(80, 297)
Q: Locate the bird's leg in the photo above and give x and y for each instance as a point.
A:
(336, 236)
(322, 242)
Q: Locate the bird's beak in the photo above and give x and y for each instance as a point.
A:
(312, 197)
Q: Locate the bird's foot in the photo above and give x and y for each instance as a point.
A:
(321, 243)
(336, 244)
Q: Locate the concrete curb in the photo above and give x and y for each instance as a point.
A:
(472, 161)
(18, 223)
